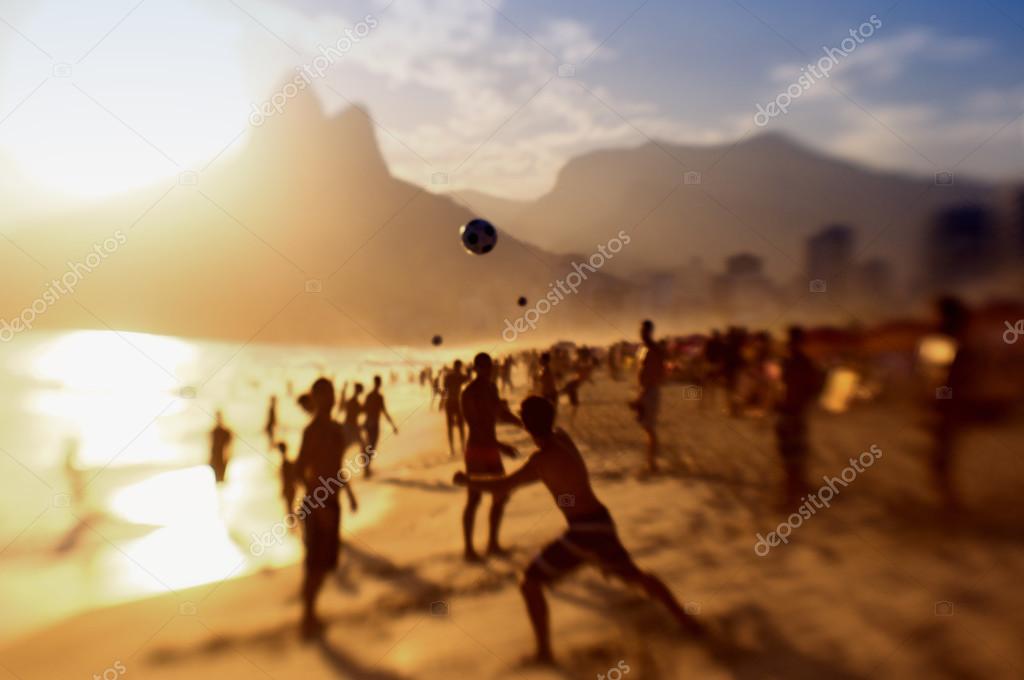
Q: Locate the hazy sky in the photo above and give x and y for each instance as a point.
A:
(100, 96)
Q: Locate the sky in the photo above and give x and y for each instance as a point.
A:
(98, 98)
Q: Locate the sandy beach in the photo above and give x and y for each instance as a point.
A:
(877, 585)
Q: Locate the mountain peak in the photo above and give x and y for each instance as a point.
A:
(300, 129)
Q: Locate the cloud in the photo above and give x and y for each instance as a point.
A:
(846, 114)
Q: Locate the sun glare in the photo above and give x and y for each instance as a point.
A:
(160, 97)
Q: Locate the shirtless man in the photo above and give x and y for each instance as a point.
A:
(374, 408)
(591, 536)
(652, 374)
(482, 409)
(317, 466)
(453, 382)
(548, 384)
(352, 408)
(584, 367)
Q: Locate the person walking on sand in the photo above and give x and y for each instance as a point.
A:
(220, 440)
(949, 417)
(591, 535)
(352, 409)
(651, 376)
(454, 379)
(584, 367)
(803, 382)
(483, 408)
(506, 373)
(318, 466)
(548, 384)
(374, 408)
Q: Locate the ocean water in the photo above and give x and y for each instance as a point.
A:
(105, 494)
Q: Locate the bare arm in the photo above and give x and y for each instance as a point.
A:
(503, 412)
(527, 474)
(351, 496)
(384, 410)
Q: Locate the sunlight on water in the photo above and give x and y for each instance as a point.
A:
(102, 418)
(105, 360)
(107, 387)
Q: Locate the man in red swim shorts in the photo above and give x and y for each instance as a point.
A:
(482, 408)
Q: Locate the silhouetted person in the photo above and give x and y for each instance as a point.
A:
(318, 466)
(651, 376)
(952, 412)
(802, 381)
(584, 367)
(271, 424)
(614, 363)
(483, 408)
(220, 440)
(288, 479)
(732, 365)
(548, 384)
(506, 373)
(374, 408)
(451, 399)
(714, 359)
(352, 408)
(73, 472)
(591, 536)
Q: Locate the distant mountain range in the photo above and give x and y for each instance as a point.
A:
(764, 195)
(305, 236)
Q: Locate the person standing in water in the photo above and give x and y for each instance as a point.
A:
(271, 426)
(591, 536)
(374, 408)
(288, 481)
(318, 467)
(483, 408)
(220, 440)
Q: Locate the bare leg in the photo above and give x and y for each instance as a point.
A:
(652, 449)
(468, 520)
(942, 464)
(314, 579)
(498, 503)
(657, 590)
(451, 444)
(537, 608)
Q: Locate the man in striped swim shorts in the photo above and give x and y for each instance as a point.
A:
(591, 536)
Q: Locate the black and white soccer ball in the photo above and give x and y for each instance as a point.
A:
(478, 236)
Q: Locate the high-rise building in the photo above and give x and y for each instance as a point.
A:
(830, 259)
(962, 246)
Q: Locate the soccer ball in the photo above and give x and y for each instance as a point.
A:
(436, 340)
(522, 302)
(478, 236)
